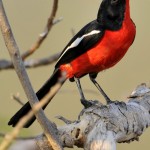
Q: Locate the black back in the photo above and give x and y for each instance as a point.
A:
(87, 43)
(110, 17)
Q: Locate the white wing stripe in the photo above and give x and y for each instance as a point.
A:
(77, 41)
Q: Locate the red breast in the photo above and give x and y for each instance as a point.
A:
(106, 53)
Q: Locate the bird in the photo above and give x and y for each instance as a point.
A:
(98, 46)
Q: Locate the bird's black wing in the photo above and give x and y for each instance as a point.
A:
(85, 39)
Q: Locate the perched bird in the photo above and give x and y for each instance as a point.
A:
(97, 46)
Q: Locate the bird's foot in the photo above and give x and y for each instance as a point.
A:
(88, 103)
(108, 101)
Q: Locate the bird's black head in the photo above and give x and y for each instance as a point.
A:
(111, 14)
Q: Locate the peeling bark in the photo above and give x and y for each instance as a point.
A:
(100, 126)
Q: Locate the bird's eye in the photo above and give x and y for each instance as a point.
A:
(114, 1)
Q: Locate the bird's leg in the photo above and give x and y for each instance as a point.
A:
(84, 102)
(108, 101)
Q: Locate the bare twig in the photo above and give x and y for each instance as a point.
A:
(11, 136)
(42, 62)
(21, 72)
(66, 121)
(102, 126)
(2, 135)
(17, 99)
(44, 34)
(5, 64)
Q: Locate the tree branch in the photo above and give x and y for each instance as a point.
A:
(2, 135)
(23, 77)
(44, 34)
(32, 63)
(17, 99)
(9, 137)
(97, 127)
(5, 64)
(41, 62)
(102, 126)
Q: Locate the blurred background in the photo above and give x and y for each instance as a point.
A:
(28, 19)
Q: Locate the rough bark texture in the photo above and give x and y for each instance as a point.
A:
(100, 127)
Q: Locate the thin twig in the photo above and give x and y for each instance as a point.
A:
(41, 62)
(2, 135)
(6, 64)
(17, 99)
(44, 34)
(14, 133)
(32, 63)
(24, 79)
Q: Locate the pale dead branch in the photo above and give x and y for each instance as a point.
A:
(23, 77)
(102, 126)
(46, 31)
(6, 64)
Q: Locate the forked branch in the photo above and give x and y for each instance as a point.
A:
(102, 126)
(23, 77)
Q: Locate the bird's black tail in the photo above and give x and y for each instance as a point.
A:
(40, 94)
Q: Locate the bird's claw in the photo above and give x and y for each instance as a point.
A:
(88, 103)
